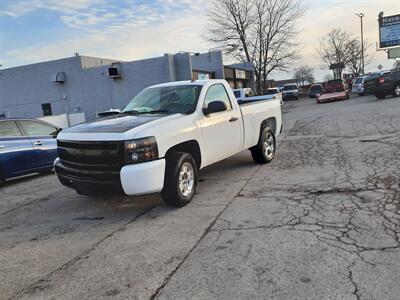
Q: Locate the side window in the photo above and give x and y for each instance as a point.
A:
(217, 92)
(33, 128)
(8, 129)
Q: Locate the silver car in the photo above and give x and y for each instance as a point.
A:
(358, 86)
(290, 90)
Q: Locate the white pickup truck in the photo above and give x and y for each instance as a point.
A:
(163, 137)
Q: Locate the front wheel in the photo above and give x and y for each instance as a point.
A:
(396, 90)
(264, 151)
(180, 182)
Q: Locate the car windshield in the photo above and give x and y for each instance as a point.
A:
(168, 99)
(290, 87)
(316, 88)
(358, 80)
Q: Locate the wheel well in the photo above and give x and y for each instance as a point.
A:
(191, 147)
(397, 82)
(270, 123)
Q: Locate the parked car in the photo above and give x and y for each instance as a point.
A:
(290, 90)
(358, 85)
(26, 146)
(244, 96)
(315, 90)
(336, 85)
(163, 137)
(383, 84)
(335, 90)
(274, 91)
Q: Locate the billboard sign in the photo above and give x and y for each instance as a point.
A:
(389, 31)
(394, 53)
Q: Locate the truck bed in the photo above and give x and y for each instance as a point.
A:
(253, 112)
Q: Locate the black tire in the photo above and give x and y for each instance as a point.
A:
(380, 95)
(174, 193)
(259, 152)
(361, 94)
(2, 181)
(396, 89)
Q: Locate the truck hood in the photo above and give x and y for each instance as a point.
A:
(114, 124)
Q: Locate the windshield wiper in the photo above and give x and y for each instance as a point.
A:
(155, 111)
(131, 112)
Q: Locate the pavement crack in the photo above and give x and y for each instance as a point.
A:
(38, 285)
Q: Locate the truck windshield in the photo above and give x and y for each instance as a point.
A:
(168, 99)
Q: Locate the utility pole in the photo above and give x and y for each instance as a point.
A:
(361, 16)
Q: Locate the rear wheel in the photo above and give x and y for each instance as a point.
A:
(180, 179)
(396, 89)
(380, 95)
(264, 151)
(361, 94)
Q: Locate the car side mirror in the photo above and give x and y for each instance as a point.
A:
(214, 107)
(56, 132)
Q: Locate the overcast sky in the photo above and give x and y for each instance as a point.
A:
(34, 31)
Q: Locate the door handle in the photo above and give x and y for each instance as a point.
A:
(233, 119)
(38, 143)
(1, 147)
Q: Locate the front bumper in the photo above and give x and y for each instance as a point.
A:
(135, 179)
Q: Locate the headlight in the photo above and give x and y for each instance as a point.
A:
(141, 150)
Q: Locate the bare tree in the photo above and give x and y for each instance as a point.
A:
(354, 64)
(304, 74)
(259, 31)
(340, 47)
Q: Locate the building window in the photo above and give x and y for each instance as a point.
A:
(46, 108)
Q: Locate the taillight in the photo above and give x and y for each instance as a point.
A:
(381, 80)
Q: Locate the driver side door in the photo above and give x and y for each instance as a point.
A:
(44, 140)
(222, 131)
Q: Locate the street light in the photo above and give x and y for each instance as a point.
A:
(361, 16)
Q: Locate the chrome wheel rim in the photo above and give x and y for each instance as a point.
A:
(186, 179)
(397, 90)
(269, 145)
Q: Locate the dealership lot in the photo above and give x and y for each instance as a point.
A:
(321, 221)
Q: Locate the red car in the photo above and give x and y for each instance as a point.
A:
(336, 85)
(336, 89)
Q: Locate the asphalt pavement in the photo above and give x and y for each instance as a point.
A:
(322, 221)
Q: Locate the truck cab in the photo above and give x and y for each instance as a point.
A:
(163, 137)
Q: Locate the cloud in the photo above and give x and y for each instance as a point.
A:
(128, 33)
(129, 30)
(23, 7)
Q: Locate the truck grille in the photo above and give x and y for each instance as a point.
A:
(92, 155)
(91, 161)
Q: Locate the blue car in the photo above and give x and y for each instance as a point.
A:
(26, 146)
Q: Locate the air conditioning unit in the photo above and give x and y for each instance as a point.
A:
(114, 71)
(58, 77)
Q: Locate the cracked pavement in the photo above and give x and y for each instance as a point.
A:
(322, 221)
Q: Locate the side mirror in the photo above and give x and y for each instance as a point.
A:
(56, 132)
(214, 107)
